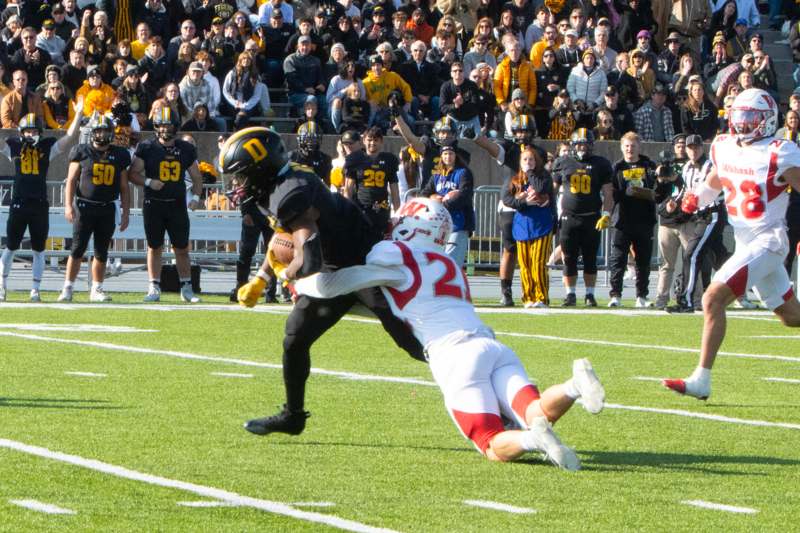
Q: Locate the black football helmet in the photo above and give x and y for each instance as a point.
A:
(30, 128)
(582, 137)
(254, 156)
(102, 130)
(444, 133)
(523, 129)
(162, 123)
(309, 137)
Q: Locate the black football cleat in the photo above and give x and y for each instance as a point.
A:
(589, 301)
(570, 301)
(289, 422)
(506, 300)
(679, 308)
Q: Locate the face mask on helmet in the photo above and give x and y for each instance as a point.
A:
(522, 136)
(165, 132)
(30, 136)
(102, 136)
(444, 136)
(581, 150)
(308, 143)
(423, 222)
(749, 123)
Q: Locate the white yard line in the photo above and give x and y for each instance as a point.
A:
(646, 378)
(206, 503)
(313, 504)
(720, 507)
(77, 328)
(231, 375)
(782, 380)
(704, 416)
(499, 507)
(795, 337)
(42, 507)
(200, 490)
(86, 374)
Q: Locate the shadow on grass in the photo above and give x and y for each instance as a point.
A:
(376, 446)
(54, 403)
(709, 464)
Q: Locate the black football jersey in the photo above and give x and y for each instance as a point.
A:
(433, 154)
(345, 234)
(100, 171)
(31, 162)
(581, 182)
(372, 175)
(320, 163)
(167, 164)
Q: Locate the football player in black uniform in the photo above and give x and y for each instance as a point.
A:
(506, 152)
(97, 176)
(370, 179)
(308, 153)
(159, 165)
(31, 155)
(583, 178)
(430, 149)
(329, 232)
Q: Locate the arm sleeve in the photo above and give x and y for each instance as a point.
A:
(350, 279)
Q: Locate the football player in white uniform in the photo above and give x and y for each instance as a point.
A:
(754, 169)
(480, 378)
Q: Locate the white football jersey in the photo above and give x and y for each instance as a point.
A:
(435, 299)
(752, 179)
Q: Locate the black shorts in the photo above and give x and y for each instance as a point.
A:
(505, 219)
(94, 219)
(579, 237)
(170, 216)
(28, 214)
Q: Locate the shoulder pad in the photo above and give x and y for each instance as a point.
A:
(385, 253)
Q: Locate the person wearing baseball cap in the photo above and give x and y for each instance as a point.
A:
(266, 9)
(569, 54)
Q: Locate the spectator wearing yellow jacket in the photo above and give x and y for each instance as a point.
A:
(380, 86)
(97, 96)
(512, 72)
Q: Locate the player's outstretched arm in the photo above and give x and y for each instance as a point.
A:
(409, 136)
(347, 280)
(65, 142)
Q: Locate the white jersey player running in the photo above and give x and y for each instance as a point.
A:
(480, 378)
(754, 170)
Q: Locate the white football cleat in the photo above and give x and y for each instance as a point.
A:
(593, 395)
(744, 303)
(187, 295)
(35, 296)
(66, 295)
(614, 301)
(153, 295)
(546, 441)
(99, 295)
(643, 303)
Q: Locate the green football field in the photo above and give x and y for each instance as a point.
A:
(129, 418)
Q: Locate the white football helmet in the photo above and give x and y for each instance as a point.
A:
(754, 115)
(424, 222)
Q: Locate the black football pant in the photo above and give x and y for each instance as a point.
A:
(30, 214)
(311, 318)
(642, 242)
(95, 219)
(247, 249)
(579, 237)
(794, 238)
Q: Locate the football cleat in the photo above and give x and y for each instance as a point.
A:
(188, 296)
(98, 295)
(153, 295)
(679, 308)
(643, 303)
(546, 441)
(614, 301)
(2, 294)
(289, 422)
(66, 295)
(744, 303)
(695, 389)
(570, 301)
(589, 301)
(35, 296)
(593, 395)
(506, 300)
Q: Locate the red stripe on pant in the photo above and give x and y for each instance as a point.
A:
(480, 428)
(738, 282)
(524, 397)
(789, 295)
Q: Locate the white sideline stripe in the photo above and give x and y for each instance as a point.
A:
(313, 504)
(231, 375)
(86, 374)
(201, 490)
(42, 507)
(80, 328)
(720, 507)
(704, 416)
(646, 378)
(216, 359)
(499, 506)
(774, 336)
(649, 346)
(213, 503)
(782, 380)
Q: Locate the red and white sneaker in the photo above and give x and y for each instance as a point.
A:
(695, 389)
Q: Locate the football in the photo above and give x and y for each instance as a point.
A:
(282, 246)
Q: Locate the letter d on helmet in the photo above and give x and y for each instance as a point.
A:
(255, 156)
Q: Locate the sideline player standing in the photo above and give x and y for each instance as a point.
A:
(97, 177)
(479, 377)
(370, 179)
(328, 232)
(754, 170)
(585, 178)
(308, 153)
(164, 161)
(31, 156)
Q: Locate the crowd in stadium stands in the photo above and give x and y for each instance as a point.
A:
(663, 69)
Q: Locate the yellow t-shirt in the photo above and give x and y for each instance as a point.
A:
(137, 49)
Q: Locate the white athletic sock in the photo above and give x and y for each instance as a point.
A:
(96, 285)
(570, 290)
(5, 264)
(527, 441)
(571, 390)
(68, 284)
(38, 268)
(701, 374)
(589, 290)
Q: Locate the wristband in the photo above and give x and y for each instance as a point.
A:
(263, 275)
(147, 182)
(196, 197)
(606, 214)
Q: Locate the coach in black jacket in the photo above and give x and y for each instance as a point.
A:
(423, 76)
(459, 99)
